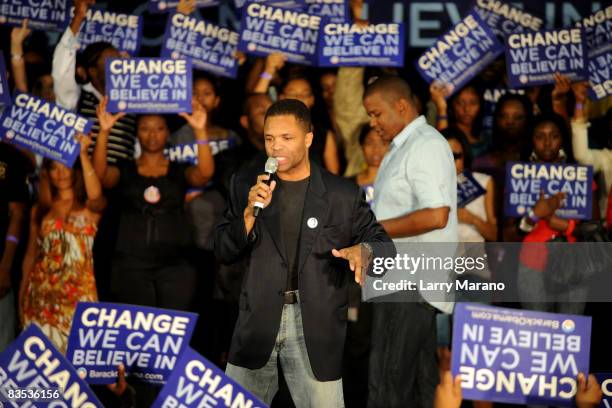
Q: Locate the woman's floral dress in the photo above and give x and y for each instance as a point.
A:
(62, 276)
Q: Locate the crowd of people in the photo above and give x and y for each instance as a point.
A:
(131, 223)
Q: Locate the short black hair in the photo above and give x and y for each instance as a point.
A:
(363, 133)
(292, 107)
(391, 87)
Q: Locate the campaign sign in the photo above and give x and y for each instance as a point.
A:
(605, 382)
(600, 73)
(461, 53)
(525, 181)
(468, 189)
(346, 44)
(505, 19)
(188, 152)
(161, 6)
(266, 29)
(534, 58)
(148, 85)
(336, 11)
(598, 30)
(43, 127)
(519, 356)
(290, 4)
(211, 48)
(146, 340)
(5, 92)
(33, 363)
(196, 382)
(45, 15)
(123, 31)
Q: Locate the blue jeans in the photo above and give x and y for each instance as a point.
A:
(306, 391)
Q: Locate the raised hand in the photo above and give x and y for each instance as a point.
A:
(562, 87)
(107, 120)
(19, 34)
(186, 7)
(84, 142)
(198, 117)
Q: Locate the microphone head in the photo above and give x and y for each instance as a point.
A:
(271, 165)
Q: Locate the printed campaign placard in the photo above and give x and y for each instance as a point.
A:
(267, 29)
(43, 127)
(47, 15)
(461, 53)
(468, 189)
(148, 85)
(5, 92)
(148, 341)
(605, 382)
(196, 382)
(32, 363)
(161, 6)
(336, 11)
(290, 4)
(534, 58)
(188, 152)
(598, 30)
(525, 181)
(346, 44)
(519, 356)
(600, 73)
(211, 48)
(123, 31)
(505, 19)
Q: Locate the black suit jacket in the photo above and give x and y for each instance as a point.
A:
(344, 219)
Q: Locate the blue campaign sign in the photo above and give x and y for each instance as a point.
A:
(525, 181)
(5, 92)
(534, 58)
(31, 362)
(266, 29)
(336, 11)
(43, 127)
(605, 382)
(346, 44)
(600, 73)
(196, 382)
(211, 48)
(161, 6)
(123, 31)
(290, 4)
(461, 53)
(598, 30)
(188, 152)
(468, 189)
(505, 19)
(148, 341)
(48, 15)
(148, 85)
(519, 356)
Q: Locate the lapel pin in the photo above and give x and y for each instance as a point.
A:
(312, 223)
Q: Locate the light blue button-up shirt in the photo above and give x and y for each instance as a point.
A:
(418, 172)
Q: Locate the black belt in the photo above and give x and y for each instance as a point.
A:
(290, 297)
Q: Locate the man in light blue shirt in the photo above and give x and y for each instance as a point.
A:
(415, 196)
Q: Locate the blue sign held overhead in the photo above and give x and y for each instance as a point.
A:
(336, 11)
(210, 47)
(519, 356)
(44, 128)
(267, 29)
(534, 58)
(146, 340)
(148, 85)
(346, 44)
(505, 19)
(32, 363)
(162, 6)
(288, 4)
(5, 92)
(196, 382)
(461, 53)
(598, 30)
(50, 15)
(525, 181)
(600, 73)
(123, 31)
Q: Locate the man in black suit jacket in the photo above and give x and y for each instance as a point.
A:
(293, 303)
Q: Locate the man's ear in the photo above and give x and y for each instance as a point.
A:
(244, 121)
(309, 137)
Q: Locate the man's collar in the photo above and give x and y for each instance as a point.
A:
(403, 135)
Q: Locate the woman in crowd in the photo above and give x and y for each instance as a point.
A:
(464, 114)
(57, 268)
(374, 149)
(150, 264)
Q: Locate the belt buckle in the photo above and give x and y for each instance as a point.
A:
(290, 297)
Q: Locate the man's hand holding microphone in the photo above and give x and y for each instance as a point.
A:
(260, 195)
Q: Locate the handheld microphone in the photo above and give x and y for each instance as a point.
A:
(269, 169)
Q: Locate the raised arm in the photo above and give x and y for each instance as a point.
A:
(95, 199)
(18, 36)
(274, 63)
(200, 174)
(108, 175)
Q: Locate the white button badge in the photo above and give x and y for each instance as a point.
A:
(312, 223)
